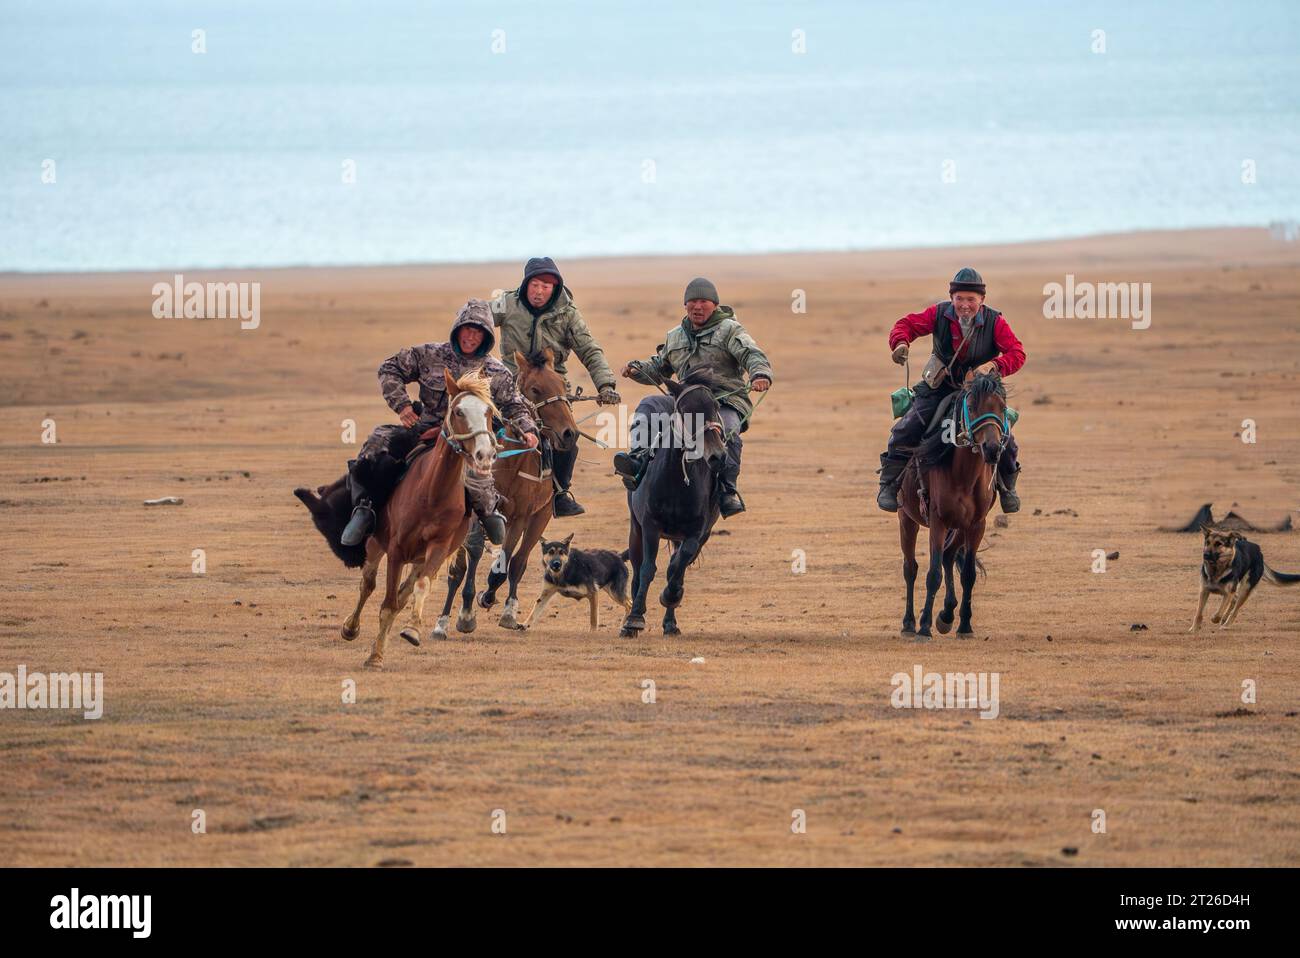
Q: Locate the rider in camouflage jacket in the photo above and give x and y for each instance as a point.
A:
(467, 349)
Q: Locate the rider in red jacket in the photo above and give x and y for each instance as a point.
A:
(969, 336)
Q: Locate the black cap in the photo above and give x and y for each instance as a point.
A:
(966, 280)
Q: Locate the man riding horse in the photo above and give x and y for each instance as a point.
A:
(966, 335)
(709, 337)
(468, 349)
(540, 314)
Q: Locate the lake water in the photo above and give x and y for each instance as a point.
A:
(610, 128)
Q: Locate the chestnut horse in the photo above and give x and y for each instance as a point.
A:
(957, 467)
(526, 495)
(426, 518)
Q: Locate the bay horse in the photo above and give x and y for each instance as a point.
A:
(677, 497)
(526, 498)
(956, 467)
(426, 517)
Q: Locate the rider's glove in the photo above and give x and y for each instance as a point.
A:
(900, 354)
(608, 397)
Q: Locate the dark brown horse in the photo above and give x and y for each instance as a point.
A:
(955, 469)
(526, 498)
(425, 519)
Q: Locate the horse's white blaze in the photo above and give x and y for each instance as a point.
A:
(482, 447)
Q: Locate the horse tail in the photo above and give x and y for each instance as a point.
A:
(960, 557)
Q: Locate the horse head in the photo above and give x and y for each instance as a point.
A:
(698, 418)
(468, 423)
(545, 389)
(984, 414)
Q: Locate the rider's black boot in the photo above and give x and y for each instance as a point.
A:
(631, 465)
(564, 505)
(1007, 491)
(729, 501)
(363, 514)
(494, 525)
(890, 471)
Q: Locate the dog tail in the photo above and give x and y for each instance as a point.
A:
(626, 555)
(1280, 578)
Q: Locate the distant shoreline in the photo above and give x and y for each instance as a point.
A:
(1172, 248)
(929, 250)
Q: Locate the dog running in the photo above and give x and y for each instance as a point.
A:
(1231, 566)
(579, 574)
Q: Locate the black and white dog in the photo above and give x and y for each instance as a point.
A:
(1231, 566)
(579, 574)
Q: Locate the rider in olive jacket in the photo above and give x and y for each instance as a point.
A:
(711, 337)
(541, 314)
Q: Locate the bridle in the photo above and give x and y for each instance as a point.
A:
(456, 440)
(679, 424)
(969, 426)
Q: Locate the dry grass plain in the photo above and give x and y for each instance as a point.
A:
(223, 690)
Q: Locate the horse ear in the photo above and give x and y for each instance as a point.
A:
(550, 357)
(521, 361)
(970, 376)
(452, 389)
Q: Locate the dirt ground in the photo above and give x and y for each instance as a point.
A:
(223, 691)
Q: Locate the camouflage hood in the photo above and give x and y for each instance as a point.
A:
(475, 312)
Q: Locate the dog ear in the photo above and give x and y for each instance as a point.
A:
(568, 538)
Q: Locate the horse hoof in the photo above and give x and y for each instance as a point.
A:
(466, 624)
(349, 634)
(484, 601)
(411, 635)
(626, 633)
(907, 630)
(507, 621)
(923, 632)
(634, 621)
(669, 600)
(672, 630)
(374, 662)
(440, 630)
(965, 632)
(943, 623)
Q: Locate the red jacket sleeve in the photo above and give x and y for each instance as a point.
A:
(1011, 353)
(913, 326)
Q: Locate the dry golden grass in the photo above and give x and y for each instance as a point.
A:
(224, 690)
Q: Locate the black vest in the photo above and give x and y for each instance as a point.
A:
(976, 350)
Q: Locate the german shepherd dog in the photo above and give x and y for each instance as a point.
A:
(1231, 566)
(580, 575)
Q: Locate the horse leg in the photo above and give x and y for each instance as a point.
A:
(519, 565)
(352, 624)
(974, 535)
(414, 590)
(387, 611)
(642, 547)
(944, 620)
(674, 588)
(455, 575)
(467, 622)
(907, 530)
(500, 570)
(934, 576)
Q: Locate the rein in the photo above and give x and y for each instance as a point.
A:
(969, 426)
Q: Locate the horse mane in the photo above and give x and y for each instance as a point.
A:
(479, 386)
(536, 359)
(698, 377)
(933, 450)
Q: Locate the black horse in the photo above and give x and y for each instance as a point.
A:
(677, 498)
